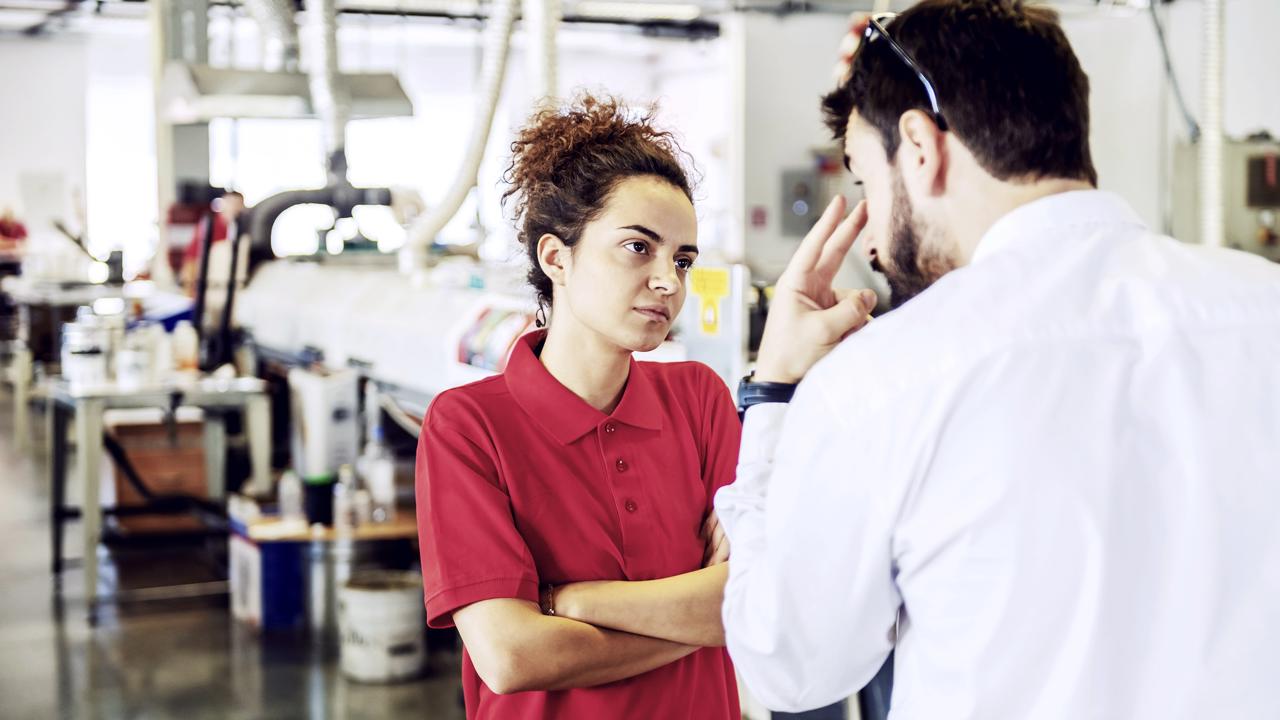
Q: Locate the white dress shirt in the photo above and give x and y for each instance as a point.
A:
(1052, 481)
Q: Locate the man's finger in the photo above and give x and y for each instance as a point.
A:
(838, 245)
(810, 250)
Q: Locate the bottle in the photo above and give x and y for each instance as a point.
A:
(363, 506)
(291, 497)
(380, 477)
(186, 347)
(133, 360)
(161, 353)
(343, 502)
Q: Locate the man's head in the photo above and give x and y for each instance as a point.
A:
(1014, 106)
(231, 204)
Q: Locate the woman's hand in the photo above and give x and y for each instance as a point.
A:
(716, 542)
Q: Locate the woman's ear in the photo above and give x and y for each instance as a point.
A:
(553, 256)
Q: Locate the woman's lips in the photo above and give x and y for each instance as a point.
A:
(656, 314)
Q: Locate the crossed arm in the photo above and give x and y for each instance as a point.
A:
(602, 631)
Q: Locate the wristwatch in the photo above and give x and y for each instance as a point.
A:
(751, 393)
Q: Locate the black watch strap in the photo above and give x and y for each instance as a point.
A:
(754, 393)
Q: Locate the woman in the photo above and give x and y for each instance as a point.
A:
(579, 463)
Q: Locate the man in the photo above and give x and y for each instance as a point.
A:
(226, 212)
(1049, 478)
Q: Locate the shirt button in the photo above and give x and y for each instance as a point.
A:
(621, 465)
(610, 427)
(631, 506)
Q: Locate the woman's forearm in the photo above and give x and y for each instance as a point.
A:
(578, 655)
(515, 648)
(684, 609)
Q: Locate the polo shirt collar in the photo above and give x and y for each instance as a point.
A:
(564, 415)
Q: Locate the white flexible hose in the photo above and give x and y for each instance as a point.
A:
(407, 422)
(1212, 230)
(327, 98)
(493, 71)
(279, 33)
(542, 21)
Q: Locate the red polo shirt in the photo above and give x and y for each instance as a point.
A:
(520, 482)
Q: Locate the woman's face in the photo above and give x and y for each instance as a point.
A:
(625, 279)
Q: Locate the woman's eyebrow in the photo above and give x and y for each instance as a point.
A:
(658, 238)
(642, 229)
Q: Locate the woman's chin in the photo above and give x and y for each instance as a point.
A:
(643, 342)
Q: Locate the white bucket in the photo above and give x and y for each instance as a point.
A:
(383, 627)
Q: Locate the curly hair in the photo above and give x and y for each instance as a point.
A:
(566, 161)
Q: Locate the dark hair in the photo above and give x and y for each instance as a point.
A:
(566, 161)
(1008, 83)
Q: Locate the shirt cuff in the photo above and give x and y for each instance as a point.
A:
(761, 429)
(441, 605)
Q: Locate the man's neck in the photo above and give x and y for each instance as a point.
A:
(585, 363)
(986, 201)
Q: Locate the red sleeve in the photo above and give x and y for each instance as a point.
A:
(471, 550)
(721, 433)
(193, 248)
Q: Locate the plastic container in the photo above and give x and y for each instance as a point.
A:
(133, 360)
(291, 497)
(186, 348)
(380, 477)
(85, 348)
(382, 627)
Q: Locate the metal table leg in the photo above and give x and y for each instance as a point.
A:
(215, 453)
(89, 461)
(56, 422)
(257, 419)
(20, 375)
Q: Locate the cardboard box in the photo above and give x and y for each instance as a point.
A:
(325, 414)
(167, 465)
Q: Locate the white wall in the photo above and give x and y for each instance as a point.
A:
(781, 68)
(42, 126)
(1127, 94)
(119, 143)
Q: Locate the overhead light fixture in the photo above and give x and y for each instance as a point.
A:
(21, 19)
(638, 10)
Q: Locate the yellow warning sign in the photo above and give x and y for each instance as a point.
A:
(711, 285)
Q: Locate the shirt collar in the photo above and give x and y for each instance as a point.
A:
(564, 415)
(1051, 214)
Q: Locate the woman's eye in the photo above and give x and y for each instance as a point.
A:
(684, 263)
(638, 247)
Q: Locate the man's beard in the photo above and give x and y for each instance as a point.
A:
(913, 270)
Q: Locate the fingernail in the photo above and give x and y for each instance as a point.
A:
(869, 299)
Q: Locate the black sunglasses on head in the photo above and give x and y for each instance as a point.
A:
(875, 29)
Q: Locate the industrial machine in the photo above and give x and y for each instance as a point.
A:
(1251, 195)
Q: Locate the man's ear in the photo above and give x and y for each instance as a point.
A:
(553, 255)
(923, 153)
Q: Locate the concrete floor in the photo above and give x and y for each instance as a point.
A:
(158, 659)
